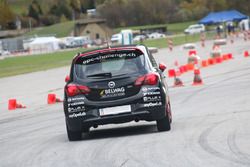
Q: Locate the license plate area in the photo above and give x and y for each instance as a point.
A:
(115, 110)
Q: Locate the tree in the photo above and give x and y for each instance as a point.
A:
(7, 17)
(76, 8)
(35, 10)
(61, 8)
(242, 6)
(195, 9)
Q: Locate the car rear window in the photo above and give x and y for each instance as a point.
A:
(116, 63)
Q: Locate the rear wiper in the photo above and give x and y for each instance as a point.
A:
(106, 74)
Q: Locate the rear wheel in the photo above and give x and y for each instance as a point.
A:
(164, 124)
(74, 135)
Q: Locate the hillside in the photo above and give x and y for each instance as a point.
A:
(55, 29)
(21, 6)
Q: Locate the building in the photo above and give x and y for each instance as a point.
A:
(95, 28)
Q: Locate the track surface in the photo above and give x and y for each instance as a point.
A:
(210, 122)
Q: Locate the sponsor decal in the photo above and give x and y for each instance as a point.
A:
(112, 92)
(76, 109)
(152, 99)
(76, 103)
(71, 99)
(153, 104)
(151, 93)
(108, 56)
(145, 89)
(75, 115)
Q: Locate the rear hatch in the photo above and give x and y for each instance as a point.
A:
(110, 74)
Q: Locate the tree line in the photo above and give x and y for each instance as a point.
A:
(117, 12)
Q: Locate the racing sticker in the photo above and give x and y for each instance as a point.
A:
(99, 57)
(76, 109)
(75, 115)
(76, 104)
(115, 92)
(151, 96)
(108, 56)
(153, 104)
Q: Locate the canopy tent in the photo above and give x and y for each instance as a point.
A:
(224, 16)
(44, 45)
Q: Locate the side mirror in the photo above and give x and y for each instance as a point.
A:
(162, 67)
(67, 78)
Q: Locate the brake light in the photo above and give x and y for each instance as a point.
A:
(73, 90)
(149, 79)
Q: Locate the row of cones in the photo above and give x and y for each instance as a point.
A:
(192, 66)
(216, 60)
(177, 81)
(13, 104)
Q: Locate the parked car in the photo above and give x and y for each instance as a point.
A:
(139, 38)
(156, 35)
(116, 38)
(115, 85)
(194, 29)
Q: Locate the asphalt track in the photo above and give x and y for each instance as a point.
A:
(210, 122)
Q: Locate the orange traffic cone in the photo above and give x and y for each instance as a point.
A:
(204, 63)
(246, 54)
(14, 105)
(197, 78)
(52, 99)
(178, 82)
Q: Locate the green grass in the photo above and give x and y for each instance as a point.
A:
(26, 64)
(174, 28)
(59, 30)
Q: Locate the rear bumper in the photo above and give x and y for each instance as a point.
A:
(93, 119)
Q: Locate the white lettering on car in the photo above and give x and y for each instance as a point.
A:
(75, 115)
(71, 99)
(76, 109)
(101, 57)
(152, 98)
(112, 92)
(153, 104)
(76, 103)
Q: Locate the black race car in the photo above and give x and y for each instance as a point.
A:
(115, 85)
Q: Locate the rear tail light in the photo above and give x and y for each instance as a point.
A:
(149, 79)
(73, 90)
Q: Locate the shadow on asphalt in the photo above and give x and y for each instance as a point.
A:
(120, 132)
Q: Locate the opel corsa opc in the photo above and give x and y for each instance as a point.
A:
(115, 85)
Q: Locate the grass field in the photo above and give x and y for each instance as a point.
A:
(59, 30)
(26, 64)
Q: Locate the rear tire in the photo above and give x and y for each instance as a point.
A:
(74, 135)
(163, 124)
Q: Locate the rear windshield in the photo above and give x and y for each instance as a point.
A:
(114, 63)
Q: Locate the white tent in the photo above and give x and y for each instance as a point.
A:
(43, 45)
